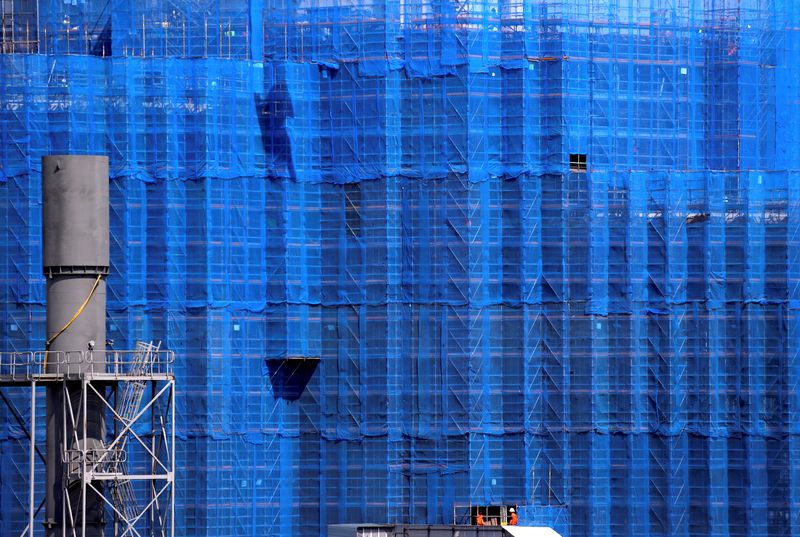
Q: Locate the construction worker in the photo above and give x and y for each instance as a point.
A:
(512, 521)
(479, 520)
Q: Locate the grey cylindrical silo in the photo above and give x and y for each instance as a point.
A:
(75, 262)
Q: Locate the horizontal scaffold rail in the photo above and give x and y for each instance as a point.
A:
(56, 366)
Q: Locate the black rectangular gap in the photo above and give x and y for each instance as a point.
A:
(577, 162)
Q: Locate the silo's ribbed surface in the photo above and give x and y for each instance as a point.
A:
(399, 188)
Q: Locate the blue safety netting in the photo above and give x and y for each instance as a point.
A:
(397, 188)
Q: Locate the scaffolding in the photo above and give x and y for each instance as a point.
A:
(133, 468)
(547, 252)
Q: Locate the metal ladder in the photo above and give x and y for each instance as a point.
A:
(129, 402)
(132, 391)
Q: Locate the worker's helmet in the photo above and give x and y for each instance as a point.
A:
(511, 510)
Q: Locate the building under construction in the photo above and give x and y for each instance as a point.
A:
(419, 258)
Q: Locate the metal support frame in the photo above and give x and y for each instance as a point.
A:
(133, 469)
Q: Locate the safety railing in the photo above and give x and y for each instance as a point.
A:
(20, 365)
(145, 361)
(99, 460)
